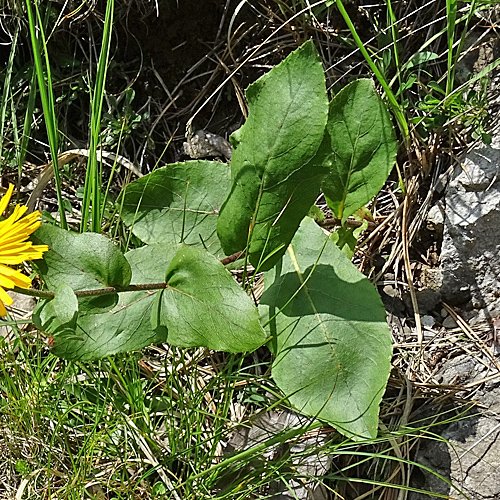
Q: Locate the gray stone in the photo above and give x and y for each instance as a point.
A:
(431, 278)
(427, 321)
(477, 304)
(469, 453)
(390, 291)
(470, 256)
(392, 302)
(458, 370)
(468, 456)
(205, 144)
(435, 218)
(449, 322)
(427, 300)
(429, 293)
(22, 308)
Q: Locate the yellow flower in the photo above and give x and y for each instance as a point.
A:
(14, 249)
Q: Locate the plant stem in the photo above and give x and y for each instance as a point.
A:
(48, 294)
(232, 258)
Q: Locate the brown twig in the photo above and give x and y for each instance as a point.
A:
(232, 258)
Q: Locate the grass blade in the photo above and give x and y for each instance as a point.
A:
(7, 94)
(46, 96)
(28, 123)
(451, 17)
(396, 108)
(93, 179)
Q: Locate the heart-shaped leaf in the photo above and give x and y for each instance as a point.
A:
(330, 336)
(204, 306)
(127, 327)
(87, 261)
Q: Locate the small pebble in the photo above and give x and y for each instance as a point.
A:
(427, 321)
(390, 291)
(449, 322)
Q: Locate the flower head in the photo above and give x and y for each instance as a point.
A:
(14, 249)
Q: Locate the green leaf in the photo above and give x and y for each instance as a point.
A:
(275, 180)
(363, 145)
(331, 340)
(316, 214)
(178, 204)
(125, 328)
(65, 303)
(87, 261)
(420, 58)
(204, 306)
(346, 238)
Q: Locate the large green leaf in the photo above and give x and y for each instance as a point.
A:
(363, 147)
(204, 306)
(331, 340)
(274, 179)
(87, 261)
(127, 327)
(178, 203)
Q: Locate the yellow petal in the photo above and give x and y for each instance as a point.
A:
(19, 211)
(3, 311)
(6, 282)
(14, 247)
(4, 203)
(16, 230)
(17, 277)
(15, 254)
(6, 299)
